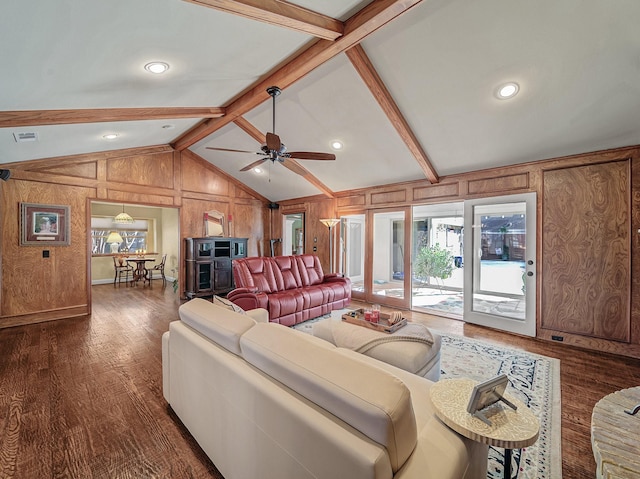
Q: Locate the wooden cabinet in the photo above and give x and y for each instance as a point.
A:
(208, 265)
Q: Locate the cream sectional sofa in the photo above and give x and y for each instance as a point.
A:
(267, 401)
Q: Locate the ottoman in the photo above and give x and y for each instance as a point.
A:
(413, 347)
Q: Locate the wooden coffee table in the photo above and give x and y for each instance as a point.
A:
(509, 429)
(614, 435)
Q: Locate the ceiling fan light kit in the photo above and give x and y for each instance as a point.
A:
(274, 149)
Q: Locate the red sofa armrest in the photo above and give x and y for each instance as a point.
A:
(336, 278)
(248, 299)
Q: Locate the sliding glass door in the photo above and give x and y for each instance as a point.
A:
(437, 259)
(500, 263)
(390, 263)
(352, 247)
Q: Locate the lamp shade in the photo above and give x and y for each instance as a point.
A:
(329, 222)
(123, 218)
(114, 237)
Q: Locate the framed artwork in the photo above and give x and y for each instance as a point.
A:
(486, 394)
(44, 225)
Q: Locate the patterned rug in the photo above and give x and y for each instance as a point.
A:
(533, 379)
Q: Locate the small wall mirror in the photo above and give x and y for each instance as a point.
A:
(214, 224)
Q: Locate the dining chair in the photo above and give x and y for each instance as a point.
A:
(159, 267)
(121, 269)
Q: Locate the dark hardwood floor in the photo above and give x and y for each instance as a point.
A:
(82, 398)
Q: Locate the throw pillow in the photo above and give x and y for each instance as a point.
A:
(225, 303)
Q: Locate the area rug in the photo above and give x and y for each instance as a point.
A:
(534, 380)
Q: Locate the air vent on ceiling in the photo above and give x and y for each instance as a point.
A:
(26, 136)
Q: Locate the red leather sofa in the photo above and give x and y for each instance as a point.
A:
(292, 288)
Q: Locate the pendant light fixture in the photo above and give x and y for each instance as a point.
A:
(123, 218)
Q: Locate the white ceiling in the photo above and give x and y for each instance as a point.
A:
(577, 63)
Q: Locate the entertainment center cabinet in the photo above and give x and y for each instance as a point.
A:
(208, 265)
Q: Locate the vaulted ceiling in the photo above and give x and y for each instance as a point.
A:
(408, 86)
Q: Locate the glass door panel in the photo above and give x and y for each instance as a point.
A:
(352, 245)
(437, 260)
(500, 263)
(388, 281)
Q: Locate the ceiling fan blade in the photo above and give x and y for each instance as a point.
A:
(309, 155)
(273, 142)
(254, 164)
(234, 151)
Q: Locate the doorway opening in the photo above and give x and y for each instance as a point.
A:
(293, 236)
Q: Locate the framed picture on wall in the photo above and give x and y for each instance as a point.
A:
(44, 225)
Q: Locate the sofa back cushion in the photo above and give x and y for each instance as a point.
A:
(221, 325)
(310, 269)
(285, 270)
(371, 400)
(255, 273)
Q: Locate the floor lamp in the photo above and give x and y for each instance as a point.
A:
(330, 223)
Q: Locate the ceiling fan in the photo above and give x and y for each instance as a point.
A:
(274, 149)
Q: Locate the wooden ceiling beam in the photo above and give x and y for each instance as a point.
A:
(10, 119)
(289, 163)
(367, 71)
(375, 15)
(250, 130)
(281, 14)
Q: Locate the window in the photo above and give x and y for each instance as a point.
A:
(135, 236)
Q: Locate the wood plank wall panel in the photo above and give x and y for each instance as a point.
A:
(248, 223)
(498, 184)
(156, 170)
(586, 250)
(79, 170)
(389, 197)
(433, 192)
(139, 197)
(350, 201)
(635, 250)
(196, 177)
(30, 282)
(35, 289)
(317, 234)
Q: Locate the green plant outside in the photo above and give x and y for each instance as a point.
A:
(433, 262)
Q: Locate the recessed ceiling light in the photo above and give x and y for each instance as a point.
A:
(156, 67)
(110, 136)
(336, 145)
(257, 170)
(507, 90)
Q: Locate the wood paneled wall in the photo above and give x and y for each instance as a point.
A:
(524, 178)
(586, 250)
(34, 288)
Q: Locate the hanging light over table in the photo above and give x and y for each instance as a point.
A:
(123, 218)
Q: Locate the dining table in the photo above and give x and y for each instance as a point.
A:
(140, 272)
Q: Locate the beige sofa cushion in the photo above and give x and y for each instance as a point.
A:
(371, 400)
(216, 323)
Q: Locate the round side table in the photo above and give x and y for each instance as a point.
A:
(510, 429)
(614, 435)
